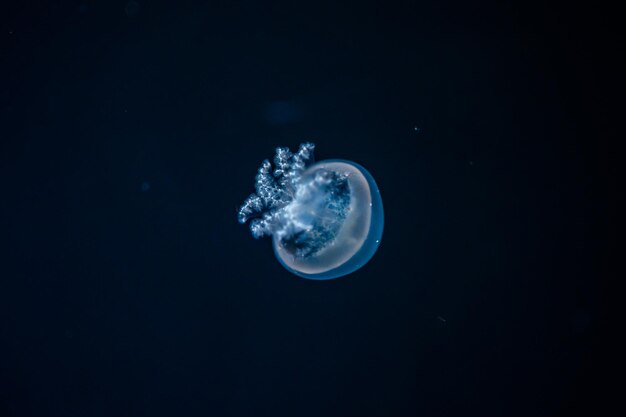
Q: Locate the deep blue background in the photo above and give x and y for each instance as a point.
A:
(132, 131)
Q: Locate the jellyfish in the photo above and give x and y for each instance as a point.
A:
(325, 218)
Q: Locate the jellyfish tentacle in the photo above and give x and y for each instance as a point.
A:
(299, 161)
(281, 160)
(251, 207)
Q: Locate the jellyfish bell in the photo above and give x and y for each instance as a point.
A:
(326, 220)
(358, 236)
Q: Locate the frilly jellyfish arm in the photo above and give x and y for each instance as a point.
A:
(326, 219)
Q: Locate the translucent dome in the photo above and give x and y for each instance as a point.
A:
(326, 220)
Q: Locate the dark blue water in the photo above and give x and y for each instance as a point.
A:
(131, 131)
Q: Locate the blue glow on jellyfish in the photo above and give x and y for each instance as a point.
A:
(325, 218)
